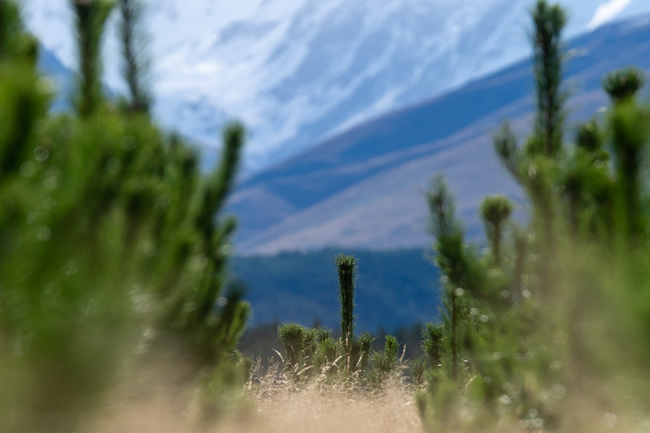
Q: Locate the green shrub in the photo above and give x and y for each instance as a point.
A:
(107, 240)
(532, 331)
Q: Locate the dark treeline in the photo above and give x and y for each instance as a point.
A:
(394, 288)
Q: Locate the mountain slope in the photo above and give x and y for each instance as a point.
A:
(298, 70)
(363, 188)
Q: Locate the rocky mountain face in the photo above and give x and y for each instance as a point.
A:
(364, 188)
(296, 71)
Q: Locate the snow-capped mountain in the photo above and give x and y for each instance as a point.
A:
(296, 71)
(363, 188)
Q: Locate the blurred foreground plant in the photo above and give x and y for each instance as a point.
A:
(549, 334)
(109, 240)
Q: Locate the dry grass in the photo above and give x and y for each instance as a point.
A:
(276, 405)
(153, 401)
(321, 406)
(314, 411)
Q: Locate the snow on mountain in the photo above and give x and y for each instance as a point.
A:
(296, 71)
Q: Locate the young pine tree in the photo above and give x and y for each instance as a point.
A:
(105, 225)
(432, 344)
(558, 303)
(549, 22)
(495, 211)
(211, 331)
(623, 84)
(292, 337)
(347, 271)
(15, 43)
(90, 21)
(136, 61)
(453, 260)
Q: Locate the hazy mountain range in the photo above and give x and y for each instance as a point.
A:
(296, 71)
(364, 187)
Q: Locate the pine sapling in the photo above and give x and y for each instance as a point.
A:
(433, 335)
(360, 352)
(15, 42)
(549, 22)
(347, 271)
(452, 259)
(418, 368)
(328, 354)
(5, 22)
(505, 144)
(310, 346)
(385, 362)
(91, 16)
(292, 337)
(521, 246)
(544, 147)
(495, 211)
(629, 136)
(623, 84)
(589, 137)
(136, 61)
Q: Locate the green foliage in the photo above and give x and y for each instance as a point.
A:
(495, 211)
(192, 310)
(15, 43)
(95, 216)
(291, 335)
(453, 258)
(505, 144)
(134, 51)
(385, 362)
(418, 369)
(21, 106)
(323, 334)
(549, 21)
(309, 351)
(310, 343)
(328, 353)
(530, 333)
(456, 262)
(90, 19)
(360, 352)
(628, 142)
(589, 138)
(550, 323)
(105, 246)
(432, 344)
(347, 270)
(623, 84)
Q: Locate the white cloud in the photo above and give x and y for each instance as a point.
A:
(608, 11)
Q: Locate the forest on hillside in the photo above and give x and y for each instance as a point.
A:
(119, 311)
(394, 288)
